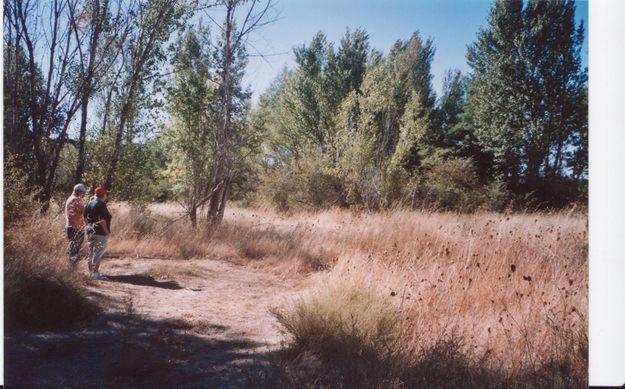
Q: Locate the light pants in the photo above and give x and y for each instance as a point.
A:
(97, 245)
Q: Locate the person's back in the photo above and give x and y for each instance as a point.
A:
(98, 229)
(74, 222)
(96, 212)
(74, 212)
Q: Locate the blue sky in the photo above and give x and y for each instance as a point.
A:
(452, 24)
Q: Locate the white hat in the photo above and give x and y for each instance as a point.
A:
(80, 188)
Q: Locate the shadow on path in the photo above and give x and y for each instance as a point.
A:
(144, 280)
(124, 349)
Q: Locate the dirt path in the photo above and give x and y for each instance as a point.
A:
(190, 323)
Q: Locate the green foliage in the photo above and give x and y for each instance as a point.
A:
(516, 127)
(192, 103)
(346, 126)
(137, 177)
(453, 185)
(17, 108)
(302, 104)
(18, 193)
(386, 129)
(526, 101)
(306, 183)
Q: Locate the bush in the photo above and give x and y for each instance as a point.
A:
(302, 184)
(350, 327)
(453, 185)
(18, 194)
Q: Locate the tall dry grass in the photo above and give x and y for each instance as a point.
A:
(403, 298)
(493, 297)
(483, 299)
(41, 293)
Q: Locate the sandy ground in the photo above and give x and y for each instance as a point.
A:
(164, 322)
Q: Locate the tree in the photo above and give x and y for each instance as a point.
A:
(526, 96)
(303, 104)
(230, 57)
(192, 102)
(449, 111)
(386, 128)
(45, 98)
(102, 34)
(154, 23)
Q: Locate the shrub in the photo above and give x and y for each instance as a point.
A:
(302, 184)
(18, 194)
(350, 326)
(453, 185)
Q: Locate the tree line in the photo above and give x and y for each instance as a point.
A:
(146, 97)
(351, 126)
(84, 91)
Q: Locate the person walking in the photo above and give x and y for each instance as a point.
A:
(75, 223)
(98, 230)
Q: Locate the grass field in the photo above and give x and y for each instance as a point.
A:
(401, 298)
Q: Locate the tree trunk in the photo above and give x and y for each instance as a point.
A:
(214, 204)
(98, 18)
(224, 199)
(193, 215)
(218, 198)
(121, 128)
(80, 169)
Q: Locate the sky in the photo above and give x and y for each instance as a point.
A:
(452, 25)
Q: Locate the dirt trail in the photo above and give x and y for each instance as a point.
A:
(190, 323)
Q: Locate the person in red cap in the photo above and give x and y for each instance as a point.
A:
(98, 230)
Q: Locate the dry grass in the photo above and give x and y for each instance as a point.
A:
(506, 296)
(41, 294)
(502, 297)
(405, 298)
(245, 237)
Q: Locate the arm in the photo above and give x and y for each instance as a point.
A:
(105, 217)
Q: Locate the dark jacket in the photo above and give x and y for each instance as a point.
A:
(95, 211)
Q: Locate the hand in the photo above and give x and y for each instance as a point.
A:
(104, 226)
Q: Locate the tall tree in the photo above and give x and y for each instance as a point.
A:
(48, 93)
(231, 57)
(101, 31)
(305, 101)
(192, 102)
(387, 128)
(526, 98)
(387, 89)
(143, 54)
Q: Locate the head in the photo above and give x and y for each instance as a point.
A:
(80, 190)
(101, 193)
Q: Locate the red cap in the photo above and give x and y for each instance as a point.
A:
(100, 191)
